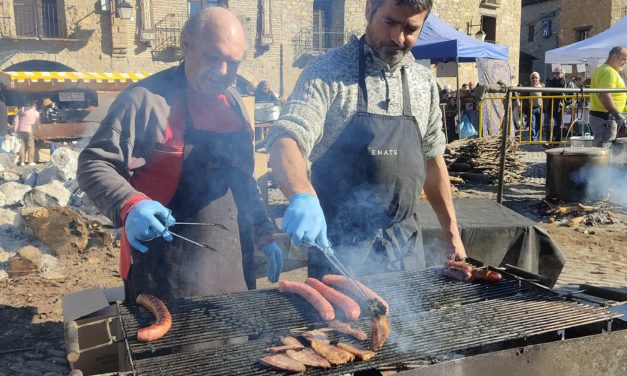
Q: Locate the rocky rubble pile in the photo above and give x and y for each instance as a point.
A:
(44, 215)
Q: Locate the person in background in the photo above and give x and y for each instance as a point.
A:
(446, 93)
(25, 120)
(606, 109)
(4, 120)
(178, 144)
(50, 112)
(368, 118)
(536, 106)
(263, 93)
(554, 106)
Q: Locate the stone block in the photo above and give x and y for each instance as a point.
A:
(59, 228)
(27, 260)
(52, 194)
(10, 176)
(13, 192)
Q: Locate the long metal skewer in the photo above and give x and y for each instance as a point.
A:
(206, 246)
(203, 224)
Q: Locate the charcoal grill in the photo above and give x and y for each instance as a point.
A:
(432, 319)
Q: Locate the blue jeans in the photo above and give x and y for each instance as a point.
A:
(557, 125)
(535, 122)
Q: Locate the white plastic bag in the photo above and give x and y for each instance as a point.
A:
(11, 144)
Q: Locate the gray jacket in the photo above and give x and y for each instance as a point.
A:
(133, 127)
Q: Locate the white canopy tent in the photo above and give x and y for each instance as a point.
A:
(592, 51)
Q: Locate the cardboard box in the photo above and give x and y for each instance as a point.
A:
(92, 310)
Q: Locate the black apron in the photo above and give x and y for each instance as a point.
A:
(216, 169)
(369, 184)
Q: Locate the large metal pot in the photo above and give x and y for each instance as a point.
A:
(619, 152)
(577, 174)
(581, 141)
(266, 112)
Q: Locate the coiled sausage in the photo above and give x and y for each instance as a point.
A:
(163, 319)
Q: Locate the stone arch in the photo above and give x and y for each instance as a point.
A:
(58, 59)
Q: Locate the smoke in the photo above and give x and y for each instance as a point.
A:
(599, 181)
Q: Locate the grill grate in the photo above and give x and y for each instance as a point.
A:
(431, 317)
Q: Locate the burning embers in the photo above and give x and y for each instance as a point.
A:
(321, 351)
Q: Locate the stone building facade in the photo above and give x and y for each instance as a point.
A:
(569, 21)
(539, 32)
(582, 19)
(283, 35)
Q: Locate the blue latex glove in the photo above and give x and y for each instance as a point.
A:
(304, 221)
(274, 255)
(145, 222)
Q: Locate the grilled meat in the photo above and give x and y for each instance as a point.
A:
(163, 319)
(316, 335)
(349, 307)
(359, 352)
(333, 354)
(283, 363)
(485, 275)
(341, 282)
(291, 341)
(320, 303)
(343, 327)
(380, 332)
(309, 358)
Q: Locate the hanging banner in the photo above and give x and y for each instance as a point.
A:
(147, 32)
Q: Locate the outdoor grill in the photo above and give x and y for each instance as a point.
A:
(433, 319)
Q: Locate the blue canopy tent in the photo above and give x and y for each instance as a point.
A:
(440, 42)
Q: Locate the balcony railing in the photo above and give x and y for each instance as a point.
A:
(167, 32)
(313, 43)
(32, 20)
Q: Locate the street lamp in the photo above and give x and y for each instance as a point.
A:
(479, 34)
(123, 9)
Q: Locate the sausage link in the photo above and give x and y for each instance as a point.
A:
(341, 282)
(346, 304)
(163, 319)
(459, 274)
(458, 265)
(322, 305)
(485, 275)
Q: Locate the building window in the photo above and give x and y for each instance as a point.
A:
(193, 6)
(530, 33)
(37, 18)
(488, 25)
(582, 33)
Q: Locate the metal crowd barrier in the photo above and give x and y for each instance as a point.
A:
(568, 110)
(502, 88)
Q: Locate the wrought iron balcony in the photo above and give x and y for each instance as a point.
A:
(167, 33)
(32, 19)
(310, 43)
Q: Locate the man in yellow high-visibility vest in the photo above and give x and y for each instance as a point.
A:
(606, 109)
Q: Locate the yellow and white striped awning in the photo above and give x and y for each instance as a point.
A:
(55, 81)
(98, 77)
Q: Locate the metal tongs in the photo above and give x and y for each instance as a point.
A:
(202, 245)
(375, 307)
